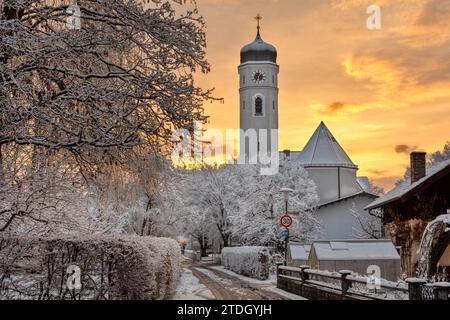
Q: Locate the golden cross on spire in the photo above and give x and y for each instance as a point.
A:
(258, 18)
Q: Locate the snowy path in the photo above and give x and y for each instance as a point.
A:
(226, 285)
(190, 288)
(205, 281)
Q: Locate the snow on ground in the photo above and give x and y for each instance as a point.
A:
(214, 276)
(271, 281)
(268, 285)
(190, 288)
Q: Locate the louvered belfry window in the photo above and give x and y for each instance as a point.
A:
(258, 106)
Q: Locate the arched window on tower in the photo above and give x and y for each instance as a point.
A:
(258, 106)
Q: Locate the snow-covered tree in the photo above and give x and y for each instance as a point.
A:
(243, 207)
(264, 204)
(82, 109)
(369, 224)
(140, 200)
(213, 196)
(440, 156)
(38, 192)
(377, 190)
(196, 221)
(124, 78)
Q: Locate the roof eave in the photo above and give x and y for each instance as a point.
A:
(429, 179)
(346, 198)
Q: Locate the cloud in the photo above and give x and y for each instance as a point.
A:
(404, 148)
(331, 109)
(337, 110)
(393, 84)
(351, 4)
(386, 182)
(435, 12)
(373, 87)
(336, 106)
(375, 172)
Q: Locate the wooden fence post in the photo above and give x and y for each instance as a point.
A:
(345, 283)
(278, 268)
(303, 273)
(414, 288)
(441, 290)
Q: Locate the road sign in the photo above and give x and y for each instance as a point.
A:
(285, 233)
(286, 221)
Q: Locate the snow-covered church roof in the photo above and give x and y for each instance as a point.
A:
(323, 149)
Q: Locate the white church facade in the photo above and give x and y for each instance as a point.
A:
(343, 195)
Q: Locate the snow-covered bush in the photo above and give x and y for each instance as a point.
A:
(252, 262)
(110, 267)
(191, 254)
(164, 263)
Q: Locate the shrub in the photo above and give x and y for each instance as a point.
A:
(111, 267)
(252, 262)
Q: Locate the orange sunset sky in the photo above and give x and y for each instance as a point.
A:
(382, 92)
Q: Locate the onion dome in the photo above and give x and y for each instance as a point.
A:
(258, 50)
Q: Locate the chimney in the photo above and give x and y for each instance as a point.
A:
(418, 165)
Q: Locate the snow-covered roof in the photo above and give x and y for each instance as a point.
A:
(364, 184)
(406, 186)
(299, 251)
(323, 149)
(361, 193)
(355, 250)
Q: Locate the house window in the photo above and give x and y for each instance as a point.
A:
(243, 105)
(258, 106)
(243, 79)
(273, 78)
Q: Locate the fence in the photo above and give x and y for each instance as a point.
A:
(419, 289)
(342, 285)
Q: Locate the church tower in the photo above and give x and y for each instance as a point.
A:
(258, 74)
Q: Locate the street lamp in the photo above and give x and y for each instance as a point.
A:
(286, 192)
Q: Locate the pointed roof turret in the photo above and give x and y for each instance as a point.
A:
(323, 149)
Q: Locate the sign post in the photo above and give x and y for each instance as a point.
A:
(286, 222)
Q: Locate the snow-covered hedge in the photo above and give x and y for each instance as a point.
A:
(110, 267)
(191, 254)
(252, 262)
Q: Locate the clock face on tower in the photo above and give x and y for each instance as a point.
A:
(258, 77)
